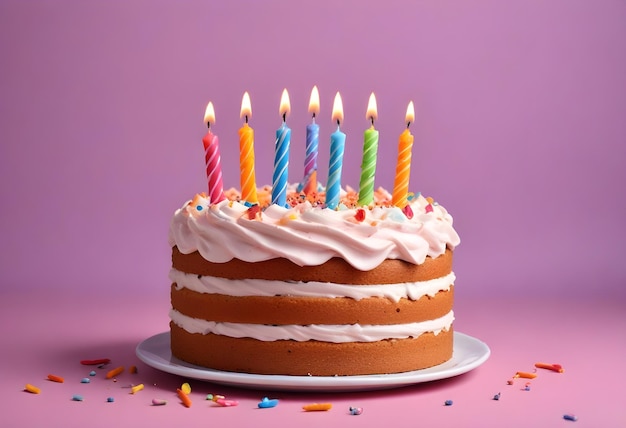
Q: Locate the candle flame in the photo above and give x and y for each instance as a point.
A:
(337, 109)
(246, 106)
(209, 114)
(372, 110)
(410, 113)
(285, 105)
(314, 102)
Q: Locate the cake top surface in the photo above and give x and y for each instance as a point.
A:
(308, 234)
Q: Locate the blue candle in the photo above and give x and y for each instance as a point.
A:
(309, 184)
(281, 158)
(337, 145)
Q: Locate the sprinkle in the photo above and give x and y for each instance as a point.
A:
(110, 400)
(226, 403)
(32, 389)
(77, 397)
(430, 199)
(554, 367)
(92, 373)
(526, 375)
(266, 403)
(448, 403)
(497, 396)
(254, 211)
(183, 397)
(136, 388)
(158, 402)
(429, 208)
(360, 215)
(95, 362)
(408, 211)
(186, 388)
(356, 410)
(570, 417)
(132, 369)
(114, 372)
(527, 388)
(214, 397)
(85, 380)
(199, 207)
(317, 407)
(55, 378)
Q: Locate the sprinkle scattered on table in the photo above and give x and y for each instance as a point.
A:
(317, 407)
(32, 389)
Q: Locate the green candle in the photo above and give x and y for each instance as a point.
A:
(370, 149)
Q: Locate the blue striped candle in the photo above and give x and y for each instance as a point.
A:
(337, 146)
(309, 183)
(281, 158)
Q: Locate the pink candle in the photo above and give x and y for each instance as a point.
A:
(212, 158)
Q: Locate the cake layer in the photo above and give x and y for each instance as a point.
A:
(269, 288)
(289, 357)
(331, 333)
(335, 270)
(280, 310)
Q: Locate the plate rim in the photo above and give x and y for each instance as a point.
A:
(459, 364)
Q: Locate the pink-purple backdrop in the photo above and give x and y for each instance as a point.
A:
(520, 128)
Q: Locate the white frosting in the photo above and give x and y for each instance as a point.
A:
(318, 332)
(260, 287)
(310, 236)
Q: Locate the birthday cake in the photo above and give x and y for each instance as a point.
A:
(306, 290)
(311, 281)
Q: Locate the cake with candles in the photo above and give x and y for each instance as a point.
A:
(311, 280)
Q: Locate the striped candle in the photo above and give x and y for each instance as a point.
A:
(403, 167)
(337, 146)
(370, 149)
(246, 154)
(281, 157)
(312, 144)
(212, 158)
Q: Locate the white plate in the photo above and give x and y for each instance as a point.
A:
(468, 354)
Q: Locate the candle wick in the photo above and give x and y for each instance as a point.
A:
(284, 117)
(408, 124)
(338, 123)
(246, 118)
(372, 119)
(208, 125)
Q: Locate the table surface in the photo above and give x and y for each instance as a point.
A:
(51, 334)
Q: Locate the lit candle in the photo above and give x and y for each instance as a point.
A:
(403, 167)
(281, 157)
(370, 149)
(246, 154)
(312, 142)
(212, 158)
(337, 145)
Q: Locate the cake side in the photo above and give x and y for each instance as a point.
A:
(304, 290)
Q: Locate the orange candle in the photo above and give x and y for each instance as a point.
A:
(246, 154)
(403, 167)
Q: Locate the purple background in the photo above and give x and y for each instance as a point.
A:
(520, 128)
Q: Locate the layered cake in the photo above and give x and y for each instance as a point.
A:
(305, 290)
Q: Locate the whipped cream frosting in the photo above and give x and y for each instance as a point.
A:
(260, 287)
(310, 235)
(325, 333)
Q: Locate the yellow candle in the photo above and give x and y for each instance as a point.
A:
(403, 167)
(246, 154)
